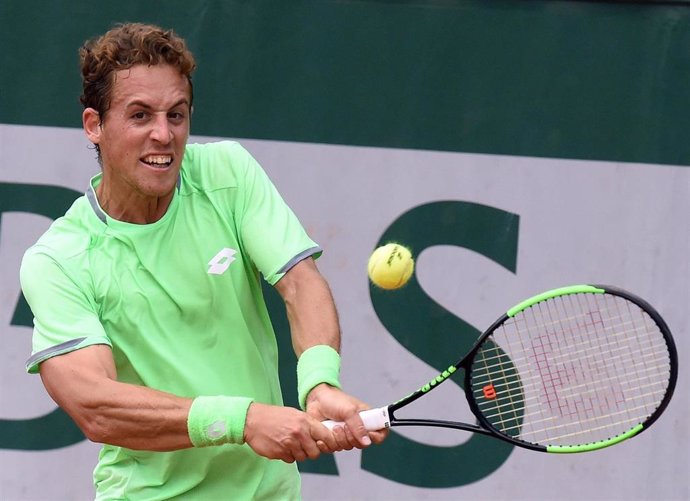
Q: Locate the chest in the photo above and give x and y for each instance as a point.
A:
(180, 271)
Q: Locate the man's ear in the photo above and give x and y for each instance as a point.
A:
(91, 120)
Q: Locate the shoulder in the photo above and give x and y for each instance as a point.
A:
(69, 235)
(222, 164)
(215, 151)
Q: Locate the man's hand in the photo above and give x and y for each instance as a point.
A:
(287, 434)
(326, 402)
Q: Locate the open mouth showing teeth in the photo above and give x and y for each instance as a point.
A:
(158, 161)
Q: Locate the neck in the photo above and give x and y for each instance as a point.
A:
(135, 208)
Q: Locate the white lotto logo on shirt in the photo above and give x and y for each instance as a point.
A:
(220, 263)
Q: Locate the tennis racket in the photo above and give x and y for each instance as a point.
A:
(573, 369)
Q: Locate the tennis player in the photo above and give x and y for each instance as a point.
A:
(150, 326)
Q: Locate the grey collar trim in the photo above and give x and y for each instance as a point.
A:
(93, 200)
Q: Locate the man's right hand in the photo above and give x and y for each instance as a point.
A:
(286, 433)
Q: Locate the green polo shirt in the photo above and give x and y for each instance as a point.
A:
(179, 302)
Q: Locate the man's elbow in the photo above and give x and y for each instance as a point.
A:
(92, 423)
(96, 429)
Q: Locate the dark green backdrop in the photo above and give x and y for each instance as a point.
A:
(589, 80)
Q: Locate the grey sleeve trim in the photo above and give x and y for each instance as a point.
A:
(60, 349)
(299, 257)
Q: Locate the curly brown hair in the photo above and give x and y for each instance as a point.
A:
(122, 47)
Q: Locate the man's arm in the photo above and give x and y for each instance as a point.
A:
(310, 308)
(314, 321)
(84, 383)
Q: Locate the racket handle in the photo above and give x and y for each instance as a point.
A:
(374, 419)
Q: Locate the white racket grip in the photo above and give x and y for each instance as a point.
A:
(373, 419)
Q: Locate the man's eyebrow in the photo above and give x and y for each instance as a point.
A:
(143, 104)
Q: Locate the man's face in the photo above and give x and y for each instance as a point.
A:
(143, 136)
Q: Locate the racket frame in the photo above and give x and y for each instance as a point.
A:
(484, 427)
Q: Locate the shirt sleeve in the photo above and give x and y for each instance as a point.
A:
(270, 231)
(65, 318)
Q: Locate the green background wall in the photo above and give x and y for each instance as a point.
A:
(588, 80)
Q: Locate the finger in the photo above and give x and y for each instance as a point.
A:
(359, 436)
(340, 434)
(323, 447)
(320, 433)
(311, 449)
(378, 436)
(291, 448)
(304, 445)
(298, 453)
(351, 438)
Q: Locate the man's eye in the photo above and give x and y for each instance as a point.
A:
(176, 115)
(140, 115)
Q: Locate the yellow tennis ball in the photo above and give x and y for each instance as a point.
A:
(390, 266)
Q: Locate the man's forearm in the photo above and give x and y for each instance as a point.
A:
(310, 308)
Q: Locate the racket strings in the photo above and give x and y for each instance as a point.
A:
(555, 427)
(642, 371)
(500, 416)
(655, 356)
(570, 370)
(589, 350)
(573, 390)
(598, 348)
